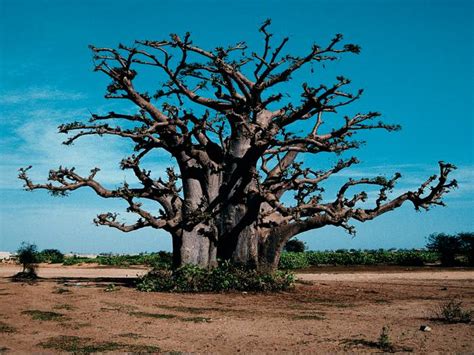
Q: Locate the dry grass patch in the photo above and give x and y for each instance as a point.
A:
(131, 335)
(153, 315)
(5, 328)
(383, 343)
(196, 319)
(452, 311)
(194, 310)
(44, 315)
(141, 349)
(79, 345)
(61, 290)
(66, 307)
(75, 326)
(118, 307)
(308, 317)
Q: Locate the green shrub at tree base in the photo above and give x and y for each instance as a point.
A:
(225, 277)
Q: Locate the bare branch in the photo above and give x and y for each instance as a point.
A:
(110, 219)
(317, 54)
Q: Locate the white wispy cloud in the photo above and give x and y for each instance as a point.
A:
(34, 94)
(38, 143)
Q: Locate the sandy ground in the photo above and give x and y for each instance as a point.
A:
(331, 311)
(82, 271)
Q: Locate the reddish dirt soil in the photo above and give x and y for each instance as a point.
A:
(331, 311)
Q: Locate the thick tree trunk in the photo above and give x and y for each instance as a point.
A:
(237, 226)
(232, 234)
(198, 242)
(198, 248)
(238, 240)
(270, 249)
(244, 244)
(176, 250)
(253, 250)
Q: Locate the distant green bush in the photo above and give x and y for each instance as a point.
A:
(295, 245)
(448, 247)
(453, 250)
(74, 260)
(291, 260)
(28, 256)
(225, 277)
(53, 256)
(415, 258)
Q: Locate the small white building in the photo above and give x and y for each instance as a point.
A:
(5, 255)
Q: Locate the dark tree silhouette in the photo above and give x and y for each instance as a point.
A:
(27, 255)
(231, 131)
(295, 245)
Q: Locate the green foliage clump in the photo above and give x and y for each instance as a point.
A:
(415, 258)
(295, 245)
(28, 257)
(225, 277)
(74, 260)
(384, 342)
(294, 260)
(53, 256)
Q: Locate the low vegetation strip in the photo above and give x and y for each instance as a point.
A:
(161, 260)
(289, 260)
(301, 260)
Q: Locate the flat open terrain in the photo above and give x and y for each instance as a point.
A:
(331, 309)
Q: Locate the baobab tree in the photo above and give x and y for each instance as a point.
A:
(238, 144)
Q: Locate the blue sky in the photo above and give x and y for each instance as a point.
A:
(416, 67)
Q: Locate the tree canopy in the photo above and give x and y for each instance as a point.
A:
(223, 117)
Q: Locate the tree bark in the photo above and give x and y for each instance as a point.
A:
(198, 248)
(238, 240)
